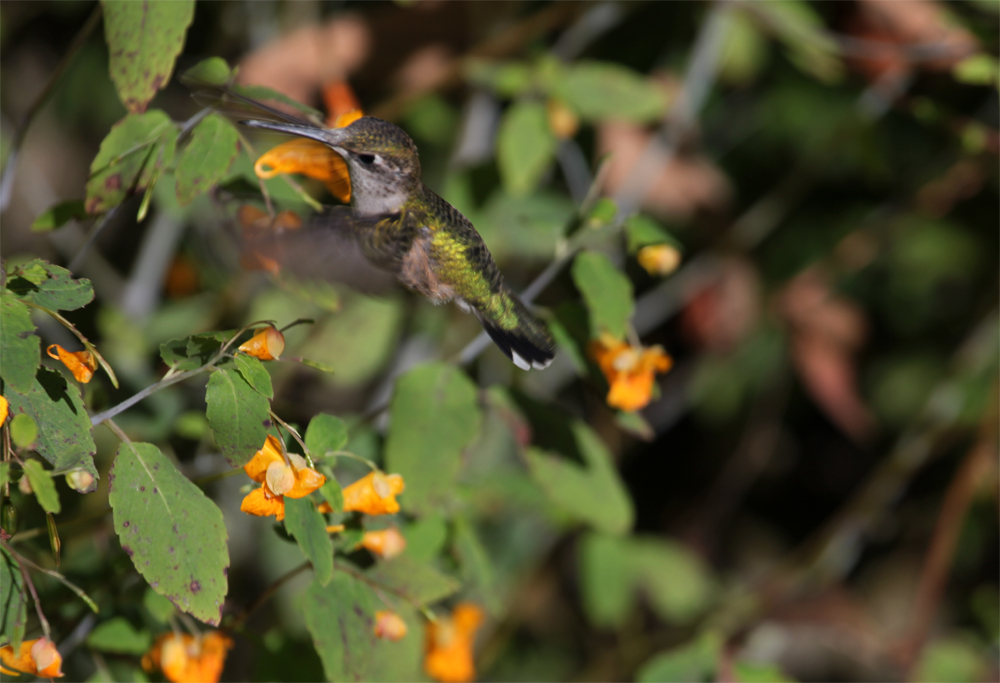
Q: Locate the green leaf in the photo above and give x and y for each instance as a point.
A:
(213, 146)
(64, 434)
(418, 582)
(19, 345)
(238, 416)
(144, 39)
(255, 374)
(322, 367)
(606, 291)
(43, 486)
(744, 51)
(158, 606)
(434, 418)
(643, 231)
(477, 568)
(23, 430)
(50, 286)
(332, 492)
(188, 353)
(606, 580)
(117, 635)
(129, 155)
(13, 601)
(801, 29)
(309, 529)
(693, 661)
(755, 672)
(525, 147)
(635, 424)
(59, 215)
(957, 658)
(508, 79)
(593, 494)
(325, 434)
(174, 534)
(341, 618)
(980, 69)
(425, 537)
(214, 70)
(601, 90)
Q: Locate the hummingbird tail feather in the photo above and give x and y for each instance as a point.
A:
(526, 341)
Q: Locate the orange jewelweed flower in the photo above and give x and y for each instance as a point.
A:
(562, 120)
(38, 657)
(659, 259)
(386, 543)
(314, 159)
(184, 658)
(389, 626)
(81, 363)
(448, 647)
(374, 494)
(278, 479)
(4, 408)
(268, 344)
(629, 370)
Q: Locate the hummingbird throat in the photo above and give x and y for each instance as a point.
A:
(377, 193)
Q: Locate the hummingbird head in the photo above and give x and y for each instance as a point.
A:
(381, 158)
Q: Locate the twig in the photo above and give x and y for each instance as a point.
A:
(239, 621)
(7, 182)
(34, 595)
(152, 389)
(942, 548)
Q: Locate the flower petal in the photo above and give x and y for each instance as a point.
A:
(309, 158)
(82, 364)
(258, 503)
(307, 480)
(389, 626)
(386, 543)
(268, 344)
(270, 452)
(374, 494)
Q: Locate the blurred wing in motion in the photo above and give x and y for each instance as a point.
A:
(230, 101)
(321, 248)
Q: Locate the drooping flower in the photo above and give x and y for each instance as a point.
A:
(629, 370)
(82, 364)
(312, 158)
(184, 658)
(278, 479)
(389, 626)
(386, 543)
(449, 643)
(659, 259)
(374, 494)
(4, 408)
(268, 344)
(38, 657)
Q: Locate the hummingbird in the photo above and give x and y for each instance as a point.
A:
(404, 227)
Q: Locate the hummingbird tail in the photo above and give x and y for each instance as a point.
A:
(520, 334)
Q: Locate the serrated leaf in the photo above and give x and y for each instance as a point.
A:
(188, 353)
(174, 534)
(19, 345)
(341, 618)
(117, 635)
(23, 430)
(602, 90)
(308, 526)
(325, 434)
(13, 601)
(255, 374)
(606, 291)
(59, 215)
(64, 435)
(418, 582)
(526, 147)
(435, 417)
(144, 39)
(238, 416)
(593, 494)
(136, 142)
(43, 486)
(206, 158)
(55, 290)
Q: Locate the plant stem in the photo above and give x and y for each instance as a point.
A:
(239, 621)
(151, 389)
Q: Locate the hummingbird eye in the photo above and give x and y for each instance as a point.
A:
(366, 158)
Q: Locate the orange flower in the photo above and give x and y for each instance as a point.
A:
(4, 407)
(449, 643)
(314, 159)
(389, 626)
(278, 479)
(659, 259)
(265, 345)
(562, 120)
(38, 657)
(386, 543)
(374, 494)
(629, 369)
(81, 363)
(184, 658)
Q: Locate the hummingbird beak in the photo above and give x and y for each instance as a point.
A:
(331, 137)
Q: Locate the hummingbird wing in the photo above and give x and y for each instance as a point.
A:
(231, 102)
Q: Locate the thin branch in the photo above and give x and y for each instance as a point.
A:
(7, 182)
(239, 621)
(148, 391)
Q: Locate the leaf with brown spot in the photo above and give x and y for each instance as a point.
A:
(206, 159)
(173, 533)
(144, 39)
